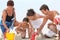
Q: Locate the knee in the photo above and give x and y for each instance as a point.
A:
(3, 29)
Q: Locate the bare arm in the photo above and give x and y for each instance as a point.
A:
(40, 16)
(3, 19)
(56, 13)
(30, 26)
(42, 25)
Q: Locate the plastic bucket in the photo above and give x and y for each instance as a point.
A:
(10, 36)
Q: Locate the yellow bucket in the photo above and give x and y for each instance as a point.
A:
(10, 36)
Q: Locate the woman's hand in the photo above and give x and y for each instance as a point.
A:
(7, 30)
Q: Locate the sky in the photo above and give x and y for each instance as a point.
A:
(21, 6)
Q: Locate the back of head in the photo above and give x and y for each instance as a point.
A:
(44, 7)
(51, 24)
(10, 3)
(30, 12)
(26, 19)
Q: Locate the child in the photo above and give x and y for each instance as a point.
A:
(57, 22)
(51, 33)
(22, 27)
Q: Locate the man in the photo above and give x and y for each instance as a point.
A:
(48, 15)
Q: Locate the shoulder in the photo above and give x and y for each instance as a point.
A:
(4, 12)
(39, 16)
(55, 12)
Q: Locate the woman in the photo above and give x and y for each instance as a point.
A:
(35, 20)
(8, 17)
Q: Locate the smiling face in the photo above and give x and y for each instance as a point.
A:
(44, 11)
(32, 17)
(31, 14)
(10, 4)
(25, 24)
(10, 7)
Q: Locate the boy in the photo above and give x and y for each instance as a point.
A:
(50, 32)
(57, 22)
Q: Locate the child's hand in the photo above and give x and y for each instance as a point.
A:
(17, 31)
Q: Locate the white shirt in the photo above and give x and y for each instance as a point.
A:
(36, 23)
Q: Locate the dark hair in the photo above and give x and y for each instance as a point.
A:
(44, 7)
(51, 24)
(26, 19)
(30, 12)
(10, 3)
